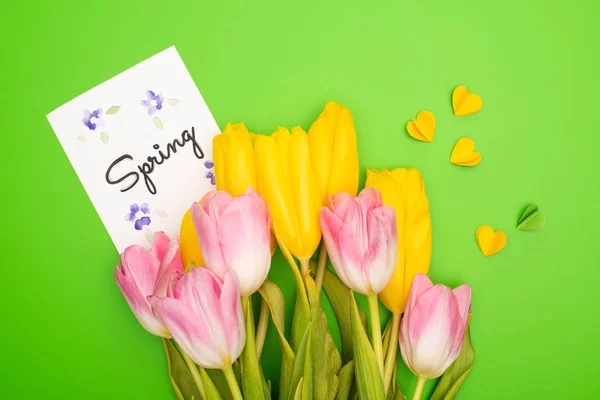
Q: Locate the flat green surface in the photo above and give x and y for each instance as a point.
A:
(67, 332)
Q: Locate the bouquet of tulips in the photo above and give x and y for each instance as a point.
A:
(291, 190)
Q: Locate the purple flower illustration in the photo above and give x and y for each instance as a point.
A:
(154, 102)
(210, 174)
(134, 210)
(93, 119)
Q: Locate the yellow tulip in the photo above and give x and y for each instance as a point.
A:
(233, 157)
(188, 242)
(333, 151)
(288, 184)
(404, 190)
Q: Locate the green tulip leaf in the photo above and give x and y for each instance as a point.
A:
(341, 301)
(326, 358)
(272, 295)
(113, 110)
(104, 137)
(181, 378)
(346, 378)
(396, 393)
(450, 383)
(532, 220)
(252, 380)
(157, 122)
(218, 379)
(209, 387)
(368, 378)
(173, 102)
(301, 317)
(301, 374)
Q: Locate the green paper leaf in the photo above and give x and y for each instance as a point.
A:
(157, 122)
(181, 378)
(104, 137)
(272, 295)
(209, 387)
(301, 381)
(252, 386)
(173, 102)
(113, 110)
(450, 383)
(532, 220)
(341, 302)
(368, 378)
(326, 358)
(346, 378)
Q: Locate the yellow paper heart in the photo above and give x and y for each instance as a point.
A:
(463, 153)
(423, 128)
(465, 103)
(490, 242)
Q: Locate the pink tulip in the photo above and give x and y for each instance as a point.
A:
(204, 315)
(361, 239)
(147, 272)
(234, 234)
(433, 326)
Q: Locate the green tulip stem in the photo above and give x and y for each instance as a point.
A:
(419, 388)
(320, 274)
(195, 373)
(261, 330)
(390, 361)
(376, 330)
(304, 266)
(232, 382)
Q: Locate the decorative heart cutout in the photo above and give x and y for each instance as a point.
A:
(465, 103)
(532, 220)
(423, 128)
(463, 153)
(490, 242)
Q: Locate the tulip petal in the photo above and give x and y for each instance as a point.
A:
(208, 237)
(380, 258)
(189, 331)
(171, 264)
(339, 203)
(463, 297)
(244, 239)
(141, 267)
(369, 198)
(420, 284)
(331, 225)
(200, 289)
(139, 305)
(233, 316)
(160, 242)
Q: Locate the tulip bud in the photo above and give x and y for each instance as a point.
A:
(333, 152)
(404, 190)
(204, 315)
(233, 155)
(288, 184)
(433, 326)
(144, 273)
(234, 234)
(361, 239)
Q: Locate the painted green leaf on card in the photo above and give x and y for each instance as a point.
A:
(173, 102)
(157, 122)
(81, 138)
(113, 110)
(532, 220)
(104, 137)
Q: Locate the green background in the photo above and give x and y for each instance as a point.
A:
(66, 329)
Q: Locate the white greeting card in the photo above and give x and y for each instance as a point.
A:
(141, 144)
